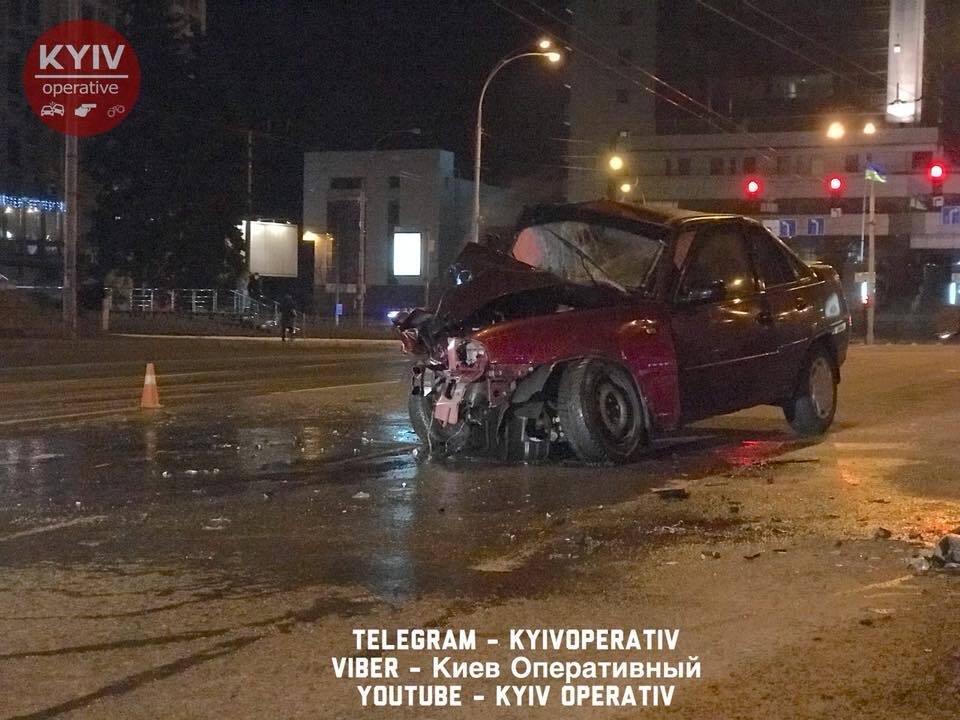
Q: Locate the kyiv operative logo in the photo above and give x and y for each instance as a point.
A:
(81, 78)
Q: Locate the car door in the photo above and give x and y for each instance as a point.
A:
(722, 329)
(788, 299)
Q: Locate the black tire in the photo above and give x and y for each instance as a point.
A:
(600, 411)
(438, 438)
(813, 406)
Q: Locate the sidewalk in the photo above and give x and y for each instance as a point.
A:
(37, 352)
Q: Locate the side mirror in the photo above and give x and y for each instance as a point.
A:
(713, 292)
(460, 275)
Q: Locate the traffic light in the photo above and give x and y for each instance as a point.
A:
(937, 173)
(835, 186)
(753, 188)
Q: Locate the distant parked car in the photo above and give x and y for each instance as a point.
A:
(606, 324)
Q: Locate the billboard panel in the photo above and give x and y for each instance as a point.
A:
(407, 254)
(273, 248)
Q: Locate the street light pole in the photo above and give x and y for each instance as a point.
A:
(871, 262)
(478, 152)
(362, 252)
(72, 219)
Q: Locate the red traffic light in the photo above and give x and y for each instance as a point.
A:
(835, 183)
(937, 172)
(753, 187)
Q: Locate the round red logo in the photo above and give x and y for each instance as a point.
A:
(82, 78)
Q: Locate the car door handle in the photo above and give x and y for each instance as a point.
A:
(764, 318)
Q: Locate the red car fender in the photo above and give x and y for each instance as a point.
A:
(638, 338)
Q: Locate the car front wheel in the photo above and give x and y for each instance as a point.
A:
(600, 411)
(439, 438)
(811, 410)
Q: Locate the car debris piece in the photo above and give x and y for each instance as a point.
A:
(753, 556)
(947, 550)
(671, 493)
(361, 495)
(918, 564)
(712, 554)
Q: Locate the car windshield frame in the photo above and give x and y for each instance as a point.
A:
(594, 267)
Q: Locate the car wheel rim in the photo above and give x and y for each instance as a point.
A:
(822, 389)
(616, 412)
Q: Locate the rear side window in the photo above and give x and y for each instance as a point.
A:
(719, 254)
(773, 264)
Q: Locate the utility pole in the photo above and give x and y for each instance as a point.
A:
(249, 174)
(362, 251)
(71, 219)
(871, 262)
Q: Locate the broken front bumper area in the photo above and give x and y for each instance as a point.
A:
(462, 400)
(499, 409)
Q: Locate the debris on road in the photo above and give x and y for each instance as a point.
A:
(753, 556)
(671, 493)
(947, 551)
(361, 495)
(217, 523)
(590, 544)
(711, 554)
(882, 533)
(918, 564)
(676, 529)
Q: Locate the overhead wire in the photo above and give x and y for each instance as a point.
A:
(643, 70)
(620, 73)
(816, 63)
(760, 11)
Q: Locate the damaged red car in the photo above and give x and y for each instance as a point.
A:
(605, 324)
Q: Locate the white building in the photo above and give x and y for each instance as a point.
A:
(408, 211)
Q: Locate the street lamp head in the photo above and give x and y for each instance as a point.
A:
(553, 57)
(836, 130)
(545, 44)
(869, 128)
(615, 162)
(626, 188)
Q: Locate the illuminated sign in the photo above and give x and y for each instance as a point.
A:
(27, 202)
(905, 60)
(407, 253)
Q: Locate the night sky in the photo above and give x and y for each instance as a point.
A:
(340, 74)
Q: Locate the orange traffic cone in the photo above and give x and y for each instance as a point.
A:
(150, 399)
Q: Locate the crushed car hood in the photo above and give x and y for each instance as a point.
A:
(486, 279)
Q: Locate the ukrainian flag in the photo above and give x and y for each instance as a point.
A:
(875, 173)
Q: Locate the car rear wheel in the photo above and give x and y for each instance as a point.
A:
(811, 410)
(600, 411)
(434, 434)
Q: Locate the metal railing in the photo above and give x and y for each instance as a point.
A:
(208, 302)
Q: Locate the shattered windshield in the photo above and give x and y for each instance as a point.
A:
(589, 253)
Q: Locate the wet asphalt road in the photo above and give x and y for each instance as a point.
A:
(206, 560)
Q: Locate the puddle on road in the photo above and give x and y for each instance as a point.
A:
(273, 500)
